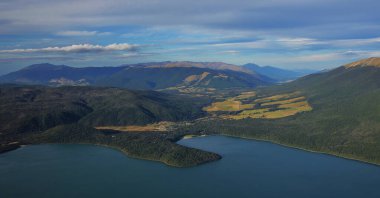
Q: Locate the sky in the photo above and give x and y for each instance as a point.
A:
(290, 34)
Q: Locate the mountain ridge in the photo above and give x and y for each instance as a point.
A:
(368, 62)
(156, 75)
(210, 65)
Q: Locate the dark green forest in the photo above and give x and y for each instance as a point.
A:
(36, 114)
(345, 120)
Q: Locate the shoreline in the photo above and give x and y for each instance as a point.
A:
(124, 152)
(303, 149)
(191, 136)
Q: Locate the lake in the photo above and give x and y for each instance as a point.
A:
(248, 169)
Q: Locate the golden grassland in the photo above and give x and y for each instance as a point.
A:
(277, 97)
(245, 95)
(270, 107)
(197, 78)
(302, 105)
(189, 136)
(281, 102)
(155, 127)
(228, 105)
(369, 62)
(191, 90)
(232, 104)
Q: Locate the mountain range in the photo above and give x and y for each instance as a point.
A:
(153, 76)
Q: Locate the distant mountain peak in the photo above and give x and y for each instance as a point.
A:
(210, 65)
(368, 62)
(278, 74)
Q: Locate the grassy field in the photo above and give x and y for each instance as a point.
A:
(155, 127)
(228, 105)
(245, 95)
(232, 104)
(277, 97)
(282, 102)
(249, 105)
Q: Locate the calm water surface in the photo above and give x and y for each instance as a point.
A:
(248, 169)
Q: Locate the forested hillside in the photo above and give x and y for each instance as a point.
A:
(344, 120)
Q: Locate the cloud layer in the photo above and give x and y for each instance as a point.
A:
(80, 48)
(313, 18)
(287, 33)
(82, 33)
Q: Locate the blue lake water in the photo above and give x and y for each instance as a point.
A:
(248, 169)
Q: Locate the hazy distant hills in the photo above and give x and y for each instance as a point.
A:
(46, 73)
(154, 76)
(278, 74)
(161, 78)
(209, 65)
(142, 76)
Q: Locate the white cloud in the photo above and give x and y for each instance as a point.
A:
(135, 54)
(294, 42)
(254, 44)
(230, 52)
(273, 43)
(317, 57)
(38, 58)
(334, 56)
(298, 42)
(82, 33)
(355, 42)
(77, 48)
